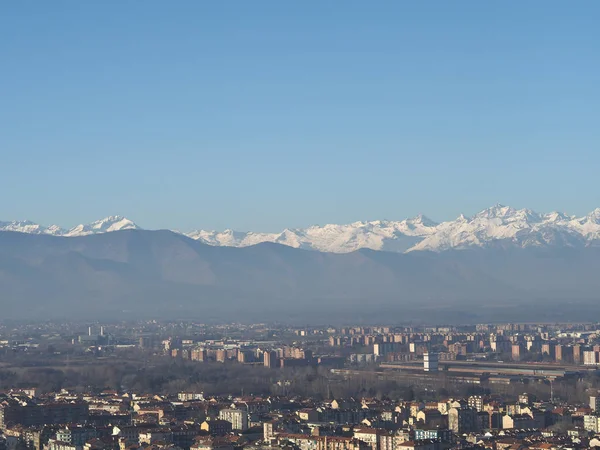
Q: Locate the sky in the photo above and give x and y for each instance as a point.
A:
(264, 115)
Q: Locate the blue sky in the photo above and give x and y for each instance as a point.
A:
(264, 115)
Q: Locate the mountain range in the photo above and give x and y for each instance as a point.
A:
(496, 227)
(133, 274)
(500, 264)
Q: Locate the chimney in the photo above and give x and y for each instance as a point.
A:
(89, 331)
(102, 331)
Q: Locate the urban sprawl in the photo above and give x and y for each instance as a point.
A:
(187, 385)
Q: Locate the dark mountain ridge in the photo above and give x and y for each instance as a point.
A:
(153, 274)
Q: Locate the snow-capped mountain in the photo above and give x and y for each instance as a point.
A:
(498, 226)
(493, 227)
(376, 235)
(26, 226)
(111, 223)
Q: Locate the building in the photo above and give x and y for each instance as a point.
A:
(304, 442)
(55, 444)
(155, 435)
(431, 418)
(308, 415)
(216, 427)
(591, 422)
(563, 353)
(462, 419)
(221, 355)
(438, 434)
(270, 359)
(294, 362)
(198, 354)
(476, 402)
(75, 435)
(590, 358)
(237, 417)
(370, 436)
(268, 431)
(577, 352)
(526, 399)
(548, 349)
(516, 352)
(430, 362)
(212, 443)
(595, 403)
(519, 421)
(190, 396)
(33, 414)
(418, 445)
(246, 356)
(37, 437)
(383, 348)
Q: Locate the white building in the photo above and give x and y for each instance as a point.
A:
(590, 423)
(237, 417)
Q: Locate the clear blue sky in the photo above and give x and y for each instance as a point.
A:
(261, 115)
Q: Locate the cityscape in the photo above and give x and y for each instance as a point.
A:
(188, 385)
(309, 225)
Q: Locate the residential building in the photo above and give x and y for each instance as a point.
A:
(462, 419)
(237, 417)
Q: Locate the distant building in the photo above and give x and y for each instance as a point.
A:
(577, 354)
(268, 431)
(476, 401)
(28, 415)
(595, 403)
(198, 354)
(548, 349)
(563, 353)
(590, 358)
(270, 359)
(516, 352)
(462, 419)
(220, 355)
(591, 422)
(190, 396)
(293, 362)
(75, 435)
(237, 417)
(430, 362)
(216, 427)
(245, 356)
(438, 434)
(519, 421)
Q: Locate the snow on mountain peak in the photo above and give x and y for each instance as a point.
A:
(594, 216)
(108, 224)
(496, 226)
(497, 210)
(422, 220)
(111, 223)
(555, 216)
(27, 226)
(114, 223)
